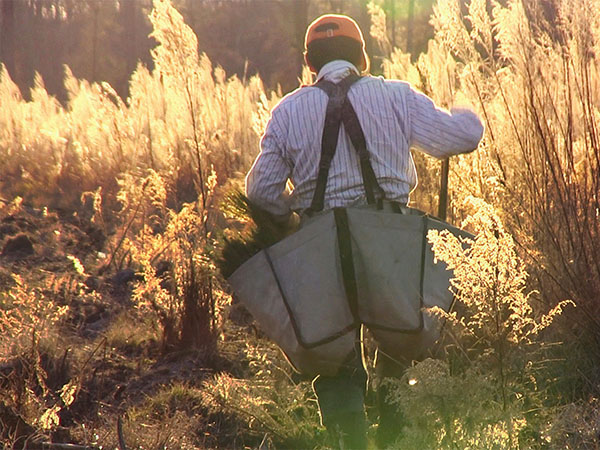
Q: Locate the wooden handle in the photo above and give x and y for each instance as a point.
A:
(443, 204)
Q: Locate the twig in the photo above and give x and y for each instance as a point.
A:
(443, 199)
(124, 235)
(51, 445)
(264, 444)
(122, 445)
(102, 342)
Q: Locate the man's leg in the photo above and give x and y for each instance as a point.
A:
(391, 419)
(341, 401)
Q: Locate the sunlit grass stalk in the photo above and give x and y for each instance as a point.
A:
(198, 155)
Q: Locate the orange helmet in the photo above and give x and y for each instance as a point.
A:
(335, 25)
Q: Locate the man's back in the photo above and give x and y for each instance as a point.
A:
(394, 118)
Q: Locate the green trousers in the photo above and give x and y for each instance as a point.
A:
(341, 397)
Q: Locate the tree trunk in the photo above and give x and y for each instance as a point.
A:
(130, 55)
(128, 15)
(7, 34)
(410, 26)
(300, 18)
(96, 14)
(338, 6)
(392, 20)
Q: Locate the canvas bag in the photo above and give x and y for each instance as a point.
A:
(345, 267)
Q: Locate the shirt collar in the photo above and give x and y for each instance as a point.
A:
(336, 70)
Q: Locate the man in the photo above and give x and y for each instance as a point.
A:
(393, 117)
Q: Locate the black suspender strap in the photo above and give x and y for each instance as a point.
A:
(357, 136)
(331, 129)
(340, 110)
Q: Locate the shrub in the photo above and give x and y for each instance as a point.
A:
(35, 383)
(267, 400)
(184, 297)
(483, 395)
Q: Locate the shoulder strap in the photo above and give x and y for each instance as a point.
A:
(357, 136)
(340, 110)
(331, 129)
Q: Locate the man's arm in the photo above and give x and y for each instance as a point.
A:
(438, 132)
(266, 180)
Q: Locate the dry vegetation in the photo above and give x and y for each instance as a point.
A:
(115, 325)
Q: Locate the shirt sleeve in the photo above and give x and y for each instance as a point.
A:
(266, 180)
(438, 132)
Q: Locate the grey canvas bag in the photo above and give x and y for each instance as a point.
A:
(345, 267)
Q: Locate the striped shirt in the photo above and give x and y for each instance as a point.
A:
(394, 118)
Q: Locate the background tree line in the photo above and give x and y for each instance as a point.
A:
(103, 40)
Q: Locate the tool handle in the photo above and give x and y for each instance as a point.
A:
(443, 202)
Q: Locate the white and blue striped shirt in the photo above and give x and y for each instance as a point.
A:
(394, 117)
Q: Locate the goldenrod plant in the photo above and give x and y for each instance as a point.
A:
(488, 390)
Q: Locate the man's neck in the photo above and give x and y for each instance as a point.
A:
(336, 70)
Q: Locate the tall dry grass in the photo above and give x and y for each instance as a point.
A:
(148, 170)
(183, 119)
(531, 71)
